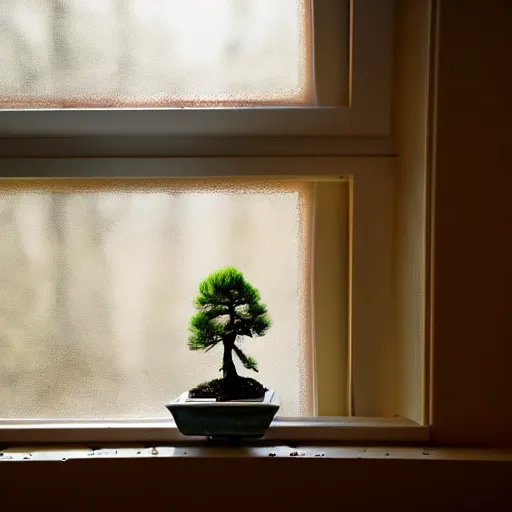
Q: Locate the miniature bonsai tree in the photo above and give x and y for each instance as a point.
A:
(229, 308)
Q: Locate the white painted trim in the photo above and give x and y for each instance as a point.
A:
(166, 146)
(371, 69)
(348, 429)
(372, 178)
(331, 51)
(368, 113)
(192, 167)
(375, 383)
(331, 296)
(165, 431)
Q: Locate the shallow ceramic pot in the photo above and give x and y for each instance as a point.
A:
(237, 418)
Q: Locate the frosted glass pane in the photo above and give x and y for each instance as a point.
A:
(96, 290)
(144, 53)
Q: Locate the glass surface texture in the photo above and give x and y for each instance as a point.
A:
(97, 285)
(154, 53)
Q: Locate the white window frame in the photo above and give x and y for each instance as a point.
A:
(319, 141)
(366, 114)
(371, 181)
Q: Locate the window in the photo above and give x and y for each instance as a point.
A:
(325, 154)
(329, 84)
(329, 195)
(134, 53)
(97, 283)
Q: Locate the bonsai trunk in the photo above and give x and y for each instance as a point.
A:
(228, 366)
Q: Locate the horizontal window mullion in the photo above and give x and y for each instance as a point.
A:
(189, 167)
(183, 146)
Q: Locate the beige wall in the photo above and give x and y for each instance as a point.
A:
(472, 349)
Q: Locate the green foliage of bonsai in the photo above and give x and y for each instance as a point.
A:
(229, 308)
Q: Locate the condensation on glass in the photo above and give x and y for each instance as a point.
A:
(154, 53)
(97, 281)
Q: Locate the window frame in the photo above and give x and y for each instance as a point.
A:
(367, 113)
(371, 204)
(353, 141)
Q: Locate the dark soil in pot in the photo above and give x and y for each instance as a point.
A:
(223, 390)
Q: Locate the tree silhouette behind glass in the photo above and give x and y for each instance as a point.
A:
(229, 308)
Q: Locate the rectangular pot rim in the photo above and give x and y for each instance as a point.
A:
(270, 399)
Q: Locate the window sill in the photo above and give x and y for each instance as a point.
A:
(303, 430)
(64, 454)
